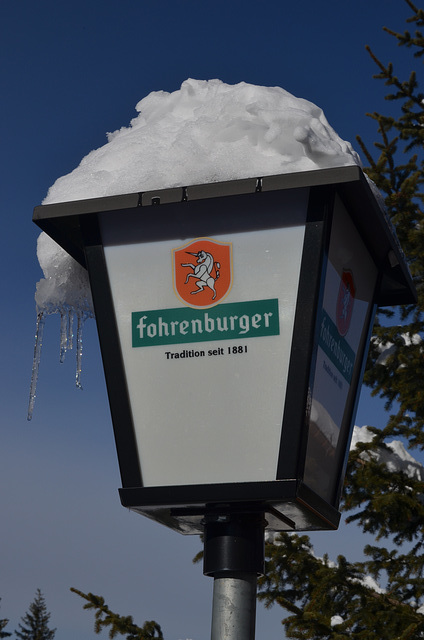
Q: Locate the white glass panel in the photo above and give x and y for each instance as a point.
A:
(208, 411)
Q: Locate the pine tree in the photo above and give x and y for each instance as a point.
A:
(35, 621)
(3, 623)
(335, 600)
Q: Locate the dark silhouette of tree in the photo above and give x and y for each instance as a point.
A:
(3, 623)
(35, 621)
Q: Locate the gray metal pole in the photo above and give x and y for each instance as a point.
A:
(234, 608)
(234, 557)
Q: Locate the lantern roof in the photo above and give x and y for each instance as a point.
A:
(61, 220)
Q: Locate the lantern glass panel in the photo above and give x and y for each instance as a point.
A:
(342, 331)
(207, 383)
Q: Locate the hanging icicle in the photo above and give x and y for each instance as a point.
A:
(64, 290)
(66, 332)
(80, 322)
(66, 344)
(64, 319)
(41, 319)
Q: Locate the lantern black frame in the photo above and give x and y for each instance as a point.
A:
(287, 501)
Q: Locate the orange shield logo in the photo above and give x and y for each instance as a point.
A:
(203, 273)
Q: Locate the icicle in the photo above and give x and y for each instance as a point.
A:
(64, 320)
(70, 329)
(41, 319)
(80, 322)
(66, 332)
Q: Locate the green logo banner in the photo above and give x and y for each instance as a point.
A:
(253, 319)
(336, 347)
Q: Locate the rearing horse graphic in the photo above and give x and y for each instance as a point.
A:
(202, 271)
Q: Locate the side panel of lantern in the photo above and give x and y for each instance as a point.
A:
(293, 434)
(206, 351)
(129, 463)
(342, 331)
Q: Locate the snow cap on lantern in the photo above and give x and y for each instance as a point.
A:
(207, 131)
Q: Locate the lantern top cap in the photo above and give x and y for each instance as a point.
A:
(61, 220)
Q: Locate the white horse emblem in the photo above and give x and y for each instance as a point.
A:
(202, 271)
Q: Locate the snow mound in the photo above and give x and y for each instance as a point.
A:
(65, 282)
(396, 458)
(207, 131)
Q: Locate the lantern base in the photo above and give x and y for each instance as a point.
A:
(233, 543)
(288, 505)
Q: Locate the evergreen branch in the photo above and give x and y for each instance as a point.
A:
(366, 152)
(412, 6)
(122, 625)
(405, 89)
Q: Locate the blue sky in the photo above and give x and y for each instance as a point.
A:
(70, 72)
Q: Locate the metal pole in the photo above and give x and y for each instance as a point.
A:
(234, 556)
(234, 608)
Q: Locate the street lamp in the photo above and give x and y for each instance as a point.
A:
(234, 320)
